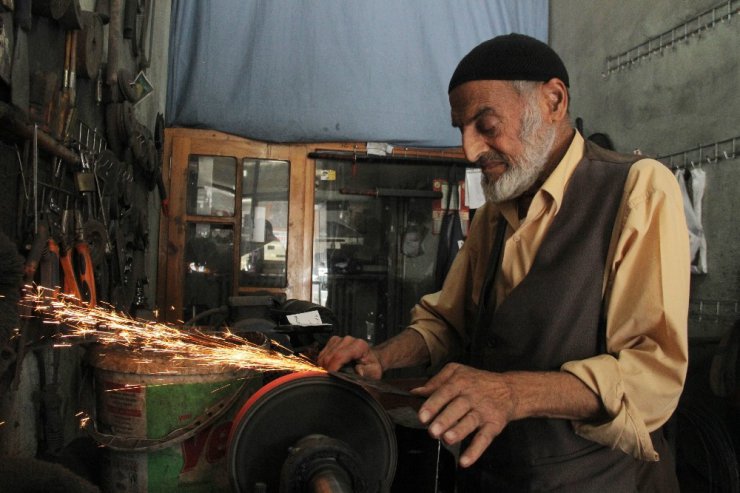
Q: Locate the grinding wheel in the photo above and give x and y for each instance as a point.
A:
(90, 46)
(276, 420)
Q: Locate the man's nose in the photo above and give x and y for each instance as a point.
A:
(473, 144)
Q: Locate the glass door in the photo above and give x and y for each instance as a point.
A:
(233, 242)
(377, 229)
(264, 223)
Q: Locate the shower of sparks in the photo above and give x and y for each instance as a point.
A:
(102, 324)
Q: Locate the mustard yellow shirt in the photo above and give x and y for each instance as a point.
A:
(646, 297)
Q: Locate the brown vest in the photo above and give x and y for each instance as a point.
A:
(553, 316)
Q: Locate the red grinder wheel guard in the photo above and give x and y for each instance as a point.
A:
(298, 405)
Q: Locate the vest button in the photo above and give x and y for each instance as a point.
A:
(492, 342)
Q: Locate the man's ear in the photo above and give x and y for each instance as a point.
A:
(556, 97)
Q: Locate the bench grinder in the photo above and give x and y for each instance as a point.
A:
(311, 432)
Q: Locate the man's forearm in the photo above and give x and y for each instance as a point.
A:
(406, 349)
(552, 395)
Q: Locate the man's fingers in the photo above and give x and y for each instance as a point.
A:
(464, 427)
(329, 350)
(448, 417)
(342, 350)
(443, 391)
(436, 381)
(478, 445)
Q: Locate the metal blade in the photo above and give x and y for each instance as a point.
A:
(369, 383)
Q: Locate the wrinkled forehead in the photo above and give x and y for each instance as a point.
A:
(471, 99)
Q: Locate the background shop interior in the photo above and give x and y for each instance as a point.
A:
(231, 164)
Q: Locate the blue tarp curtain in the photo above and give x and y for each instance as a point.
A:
(330, 70)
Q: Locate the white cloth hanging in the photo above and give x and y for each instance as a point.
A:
(693, 193)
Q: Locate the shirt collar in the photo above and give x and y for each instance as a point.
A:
(554, 186)
(558, 179)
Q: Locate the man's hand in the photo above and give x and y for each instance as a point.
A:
(463, 400)
(340, 351)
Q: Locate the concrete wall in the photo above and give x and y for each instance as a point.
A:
(146, 112)
(664, 104)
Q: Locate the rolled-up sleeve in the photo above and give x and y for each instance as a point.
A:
(646, 303)
(442, 318)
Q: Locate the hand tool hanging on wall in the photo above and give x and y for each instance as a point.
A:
(69, 280)
(22, 14)
(147, 31)
(130, 9)
(20, 89)
(49, 268)
(115, 42)
(72, 84)
(102, 8)
(40, 232)
(62, 101)
(44, 90)
(85, 184)
(20, 77)
(159, 146)
(67, 13)
(83, 263)
(94, 233)
(6, 46)
(96, 236)
(31, 264)
(126, 85)
(66, 100)
(35, 253)
(89, 46)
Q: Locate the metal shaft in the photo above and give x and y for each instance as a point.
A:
(330, 479)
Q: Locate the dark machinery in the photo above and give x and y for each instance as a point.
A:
(311, 432)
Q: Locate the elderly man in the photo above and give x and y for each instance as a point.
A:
(567, 305)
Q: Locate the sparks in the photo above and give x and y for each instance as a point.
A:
(102, 324)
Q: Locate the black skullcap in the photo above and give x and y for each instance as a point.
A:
(510, 57)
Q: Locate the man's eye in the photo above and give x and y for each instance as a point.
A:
(486, 129)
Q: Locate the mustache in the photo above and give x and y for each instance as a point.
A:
(490, 157)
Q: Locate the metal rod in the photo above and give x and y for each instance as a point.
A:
(703, 149)
(704, 20)
(330, 479)
(35, 178)
(56, 188)
(11, 120)
(23, 174)
(392, 192)
(390, 158)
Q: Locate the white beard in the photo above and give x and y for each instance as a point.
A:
(523, 170)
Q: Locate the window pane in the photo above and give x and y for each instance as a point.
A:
(208, 267)
(376, 235)
(264, 227)
(211, 186)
